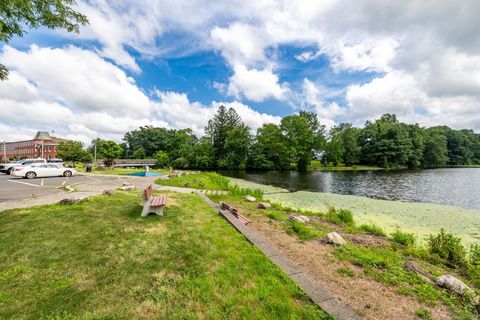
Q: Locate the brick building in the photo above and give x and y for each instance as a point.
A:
(42, 145)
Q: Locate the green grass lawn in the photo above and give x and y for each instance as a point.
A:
(200, 180)
(317, 165)
(100, 260)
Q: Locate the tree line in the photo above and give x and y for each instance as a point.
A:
(293, 143)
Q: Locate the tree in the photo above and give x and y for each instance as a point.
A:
(202, 155)
(73, 151)
(150, 138)
(138, 154)
(269, 150)
(162, 158)
(237, 144)
(436, 152)
(303, 135)
(18, 15)
(109, 150)
(218, 127)
(386, 142)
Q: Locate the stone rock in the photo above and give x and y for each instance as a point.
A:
(68, 201)
(126, 184)
(299, 218)
(335, 239)
(414, 267)
(264, 205)
(127, 188)
(250, 199)
(453, 284)
(108, 192)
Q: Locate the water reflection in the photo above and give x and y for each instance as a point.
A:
(457, 187)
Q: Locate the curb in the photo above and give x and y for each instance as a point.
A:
(324, 299)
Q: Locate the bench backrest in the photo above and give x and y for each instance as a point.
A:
(148, 192)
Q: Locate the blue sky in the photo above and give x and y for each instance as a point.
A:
(152, 62)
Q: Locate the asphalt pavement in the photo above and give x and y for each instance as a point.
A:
(12, 188)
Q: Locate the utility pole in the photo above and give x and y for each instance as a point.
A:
(94, 152)
(42, 148)
(4, 151)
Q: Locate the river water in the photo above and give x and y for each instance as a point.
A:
(458, 187)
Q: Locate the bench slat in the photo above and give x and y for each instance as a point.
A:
(158, 201)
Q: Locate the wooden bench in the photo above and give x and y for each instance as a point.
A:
(153, 204)
(235, 212)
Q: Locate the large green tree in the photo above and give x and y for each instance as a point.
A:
(108, 150)
(303, 136)
(218, 128)
(436, 152)
(269, 150)
(73, 151)
(16, 16)
(237, 144)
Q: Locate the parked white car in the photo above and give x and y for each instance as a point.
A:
(8, 168)
(40, 170)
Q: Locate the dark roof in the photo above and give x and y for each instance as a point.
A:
(42, 135)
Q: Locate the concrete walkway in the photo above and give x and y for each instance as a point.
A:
(316, 292)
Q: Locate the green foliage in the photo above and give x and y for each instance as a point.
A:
(73, 151)
(448, 247)
(162, 159)
(403, 238)
(372, 229)
(17, 15)
(180, 163)
(269, 151)
(423, 313)
(139, 153)
(203, 180)
(107, 149)
(474, 255)
(236, 190)
(237, 143)
(343, 146)
(346, 272)
(302, 231)
(341, 216)
(436, 149)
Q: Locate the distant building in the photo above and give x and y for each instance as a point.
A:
(42, 145)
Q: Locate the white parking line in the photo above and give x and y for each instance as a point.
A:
(97, 180)
(28, 184)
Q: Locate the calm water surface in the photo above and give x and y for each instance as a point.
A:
(457, 187)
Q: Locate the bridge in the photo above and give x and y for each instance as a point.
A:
(128, 162)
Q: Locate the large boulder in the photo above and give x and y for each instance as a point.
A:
(68, 201)
(108, 192)
(127, 188)
(299, 218)
(453, 284)
(250, 199)
(126, 184)
(264, 205)
(335, 239)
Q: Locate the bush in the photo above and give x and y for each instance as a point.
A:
(302, 231)
(404, 238)
(341, 217)
(448, 247)
(372, 229)
(235, 190)
(474, 255)
(181, 163)
(162, 159)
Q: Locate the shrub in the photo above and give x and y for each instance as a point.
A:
(162, 159)
(372, 229)
(342, 216)
(448, 247)
(302, 231)
(423, 313)
(474, 255)
(404, 238)
(181, 163)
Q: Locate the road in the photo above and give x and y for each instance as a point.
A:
(12, 188)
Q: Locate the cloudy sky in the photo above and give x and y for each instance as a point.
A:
(171, 63)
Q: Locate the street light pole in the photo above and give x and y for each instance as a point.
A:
(42, 147)
(4, 151)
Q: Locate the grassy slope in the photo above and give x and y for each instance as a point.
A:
(384, 265)
(419, 218)
(202, 180)
(100, 260)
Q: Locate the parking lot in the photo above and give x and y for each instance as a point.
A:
(12, 188)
